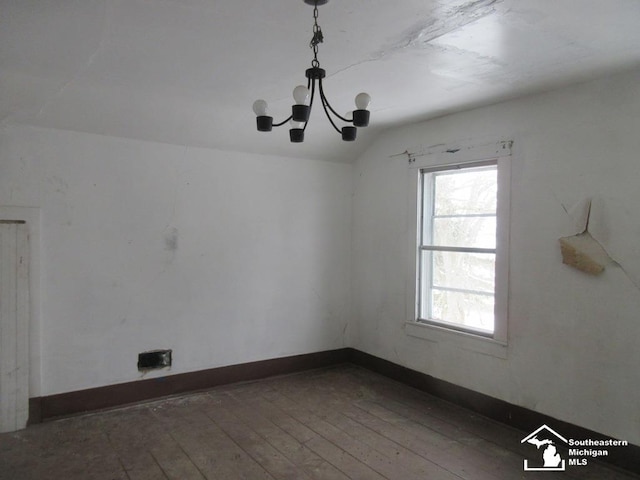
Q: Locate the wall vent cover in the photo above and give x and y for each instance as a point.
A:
(154, 359)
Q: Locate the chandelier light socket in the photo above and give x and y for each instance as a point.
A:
(264, 123)
(349, 134)
(300, 113)
(361, 118)
(296, 135)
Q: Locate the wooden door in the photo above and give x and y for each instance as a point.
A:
(14, 325)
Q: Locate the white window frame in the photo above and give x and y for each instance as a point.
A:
(448, 157)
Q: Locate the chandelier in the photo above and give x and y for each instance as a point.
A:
(304, 97)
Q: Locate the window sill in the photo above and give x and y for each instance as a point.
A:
(463, 340)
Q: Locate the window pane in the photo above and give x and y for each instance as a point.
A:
(425, 283)
(463, 309)
(466, 271)
(467, 191)
(478, 232)
(459, 211)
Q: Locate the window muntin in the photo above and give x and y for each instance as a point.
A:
(457, 246)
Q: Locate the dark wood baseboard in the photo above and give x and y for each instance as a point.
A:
(627, 458)
(64, 404)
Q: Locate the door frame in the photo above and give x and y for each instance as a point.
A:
(32, 218)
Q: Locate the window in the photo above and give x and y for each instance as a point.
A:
(457, 248)
(459, 244)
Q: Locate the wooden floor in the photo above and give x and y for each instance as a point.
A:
(338, 423)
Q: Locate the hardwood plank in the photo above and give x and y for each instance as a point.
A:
(249, 411)
(499, 440)
(152, 451)
(132, 450)
(505, 442)
(208, 447)
(362, 449)
(413, 411)
(340, 459)
(262, 452)
(404, 447)
(428, 445)
(336, 414)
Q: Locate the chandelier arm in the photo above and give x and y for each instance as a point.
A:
(282, 123)
(324, 105)
(313, 94)
(330, 119)
(324, 98)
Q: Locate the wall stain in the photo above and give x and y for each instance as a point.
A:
(58, 183)
(171, 239)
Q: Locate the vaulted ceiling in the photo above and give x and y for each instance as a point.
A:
(187, 71)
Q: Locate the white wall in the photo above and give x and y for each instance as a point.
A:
(573, 339)
(223, 257)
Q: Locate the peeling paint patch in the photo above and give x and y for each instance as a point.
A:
(582, 251)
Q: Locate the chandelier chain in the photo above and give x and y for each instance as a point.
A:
(317, 37)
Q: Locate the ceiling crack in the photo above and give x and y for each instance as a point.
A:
(439, 24)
